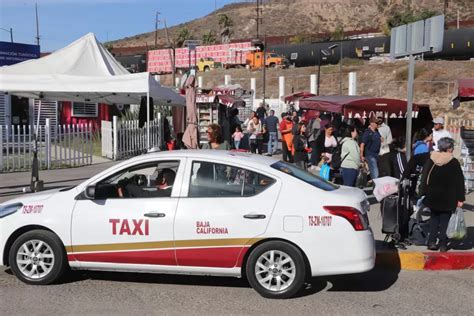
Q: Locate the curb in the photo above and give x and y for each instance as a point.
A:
(417, 261)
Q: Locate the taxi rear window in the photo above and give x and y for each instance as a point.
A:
(305, 176)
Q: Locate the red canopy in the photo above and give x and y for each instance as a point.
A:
(464, 92)
(298, 96)
(231, 101)
(354, 106)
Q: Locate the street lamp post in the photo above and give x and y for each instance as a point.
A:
(9, 31)
(326, 53)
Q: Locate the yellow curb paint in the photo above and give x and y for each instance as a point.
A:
(412, 260)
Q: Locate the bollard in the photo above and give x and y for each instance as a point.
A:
(227, 80)
(200, 82)
(312, 85)
(281, 88)
(352, 83)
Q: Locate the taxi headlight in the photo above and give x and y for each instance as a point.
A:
(9, 209)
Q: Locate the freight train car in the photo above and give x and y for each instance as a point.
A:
(458, 44)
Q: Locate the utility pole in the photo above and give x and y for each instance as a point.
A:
(264, 68)
(172, 54)
(156, 28)
(258, 19)
(37, 26)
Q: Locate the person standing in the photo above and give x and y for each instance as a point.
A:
(261, 112)
(286, 125)
(237, 137)
(442, 183)
(370, 147)
(385, 164)
(299, 147)
(325, 144)
(312, 132)
(439, 132)
(255, 129)
(350, 156)
(271, 123)
(214, 136)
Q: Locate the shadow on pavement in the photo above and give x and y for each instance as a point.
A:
(377, 279)
(465, 244)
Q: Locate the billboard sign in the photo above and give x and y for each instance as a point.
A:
(13, 53)
(417, 37)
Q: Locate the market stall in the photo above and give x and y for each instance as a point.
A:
(362, 108)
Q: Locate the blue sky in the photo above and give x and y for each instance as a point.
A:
(63, 21)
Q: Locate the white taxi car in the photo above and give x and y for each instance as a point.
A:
(192, 212)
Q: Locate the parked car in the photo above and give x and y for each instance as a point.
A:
(201, 212)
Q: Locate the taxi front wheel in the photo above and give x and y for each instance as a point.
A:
(276, 269)
(38, 257)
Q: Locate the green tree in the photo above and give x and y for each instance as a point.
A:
(406, 17)
(225, 23)
(209, 38)
(183, 35)
(338, 33)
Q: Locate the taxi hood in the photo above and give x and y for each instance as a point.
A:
(32, 197)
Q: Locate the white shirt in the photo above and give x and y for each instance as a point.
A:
(437, 135)
(386, 133)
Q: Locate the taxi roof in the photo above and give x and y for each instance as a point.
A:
(208, 153)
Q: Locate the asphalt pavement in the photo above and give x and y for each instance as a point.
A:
(381, 291)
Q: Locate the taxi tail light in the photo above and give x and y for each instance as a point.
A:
(352, 215)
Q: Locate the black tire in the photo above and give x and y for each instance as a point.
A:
(299, 269)
(58, 264)
(206, 69)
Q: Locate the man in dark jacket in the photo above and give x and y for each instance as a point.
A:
(370, 147)
(442, 183)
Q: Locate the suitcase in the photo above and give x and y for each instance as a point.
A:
(390, 215)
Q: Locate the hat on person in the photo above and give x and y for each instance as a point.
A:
(439, 120)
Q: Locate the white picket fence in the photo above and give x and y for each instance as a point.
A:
(124, 139)
(58, 146)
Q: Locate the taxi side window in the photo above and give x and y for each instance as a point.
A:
(148, 180)
(218, 180)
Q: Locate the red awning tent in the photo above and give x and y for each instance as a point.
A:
(464, 91)
(359, 106)
(298, 96)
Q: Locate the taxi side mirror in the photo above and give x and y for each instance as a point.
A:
(89, 192)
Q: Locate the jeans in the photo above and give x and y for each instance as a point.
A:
(373, 167)
(438, 225)
(314, 159)
(349, 176)
(272, 145)
(236, 144)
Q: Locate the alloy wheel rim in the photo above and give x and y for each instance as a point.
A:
(275, 270)
(35, 259)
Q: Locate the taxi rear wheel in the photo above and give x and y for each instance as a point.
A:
(38, 257)
(276, 269)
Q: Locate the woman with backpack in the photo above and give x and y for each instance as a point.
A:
(350, 156)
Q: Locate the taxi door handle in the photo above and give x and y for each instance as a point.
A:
(154, 214)
(254, 216)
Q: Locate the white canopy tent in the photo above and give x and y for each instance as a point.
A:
(84, 71)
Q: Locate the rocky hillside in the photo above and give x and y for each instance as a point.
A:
(303, 17)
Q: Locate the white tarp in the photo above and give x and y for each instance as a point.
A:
(83, 71)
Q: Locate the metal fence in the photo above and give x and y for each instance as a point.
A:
(123, 139)
(59, 146)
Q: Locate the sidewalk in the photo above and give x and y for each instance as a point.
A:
(412, 258)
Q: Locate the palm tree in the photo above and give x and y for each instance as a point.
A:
(209, 38)
(225, 23)
(183, 35)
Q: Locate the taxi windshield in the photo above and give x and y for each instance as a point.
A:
(303, 175)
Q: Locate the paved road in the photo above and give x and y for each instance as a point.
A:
(376, 292)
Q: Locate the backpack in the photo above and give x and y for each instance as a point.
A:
(336, 159)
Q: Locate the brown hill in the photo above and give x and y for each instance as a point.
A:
(303, 17)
